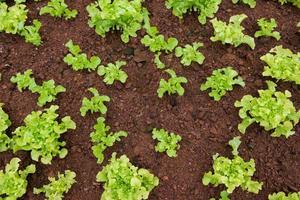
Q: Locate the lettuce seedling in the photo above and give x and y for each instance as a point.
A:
(205, 8)
(47, 91)
(41, 135)
(283, 196)
(267, 29)
(190, 54)
(78, 60)
(113, 72)
(31, 33)
(172, 86)
(251, 3)
(124, 15)
(272, 110)
(232, 173)
(102, 139)
(282, 64)
(122, 180)
(167, 142)
(293, 2)
(58, 8)
(95, 104)
(56, 188)
(231, 33)
(4, 125)
(13, 183)
(221, 81)
(159, 64)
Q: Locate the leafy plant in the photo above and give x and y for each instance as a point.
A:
(293, 2)
(12, 20)
(282, 64)
(159, 64)
(172, 86)
(13, 183)
(283, 196)
(58, 8)
(205, 8)
(221, 81)
(190, 54)
(56, 188)
(232, 173)
(267, 28)
(124, 15)
(41, 134)
(167, 142)
(101, 139)
(251, 3)
(95, 104)
(122, 180)
(47, 91)
(231, 33)
(272, 110)
(4, 125)
(113, 72)
(78, 60)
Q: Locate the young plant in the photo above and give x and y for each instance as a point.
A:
(282, 64)
(113, 72)
(283, 196)
(4, 125)
(221, 81)
(56, 188)
(272, 110)
(58, 8)
(41, 135)
(167, 142)
(190, 54)
(102, 139)
(205, 8)
(251, 3)
(232, 173)
(124, 15)
(13, 183)
(172, 86)
(95, 104)
(122, 180)
(159, 64)
(231, 33)
(47, 91)
(78, 60)
(267, 29)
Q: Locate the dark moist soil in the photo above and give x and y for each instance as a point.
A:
(205, 125)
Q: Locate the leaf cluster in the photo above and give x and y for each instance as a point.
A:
(283, 196)
(122, 180)
(221, 81)
(113, 72)
(58, 8)
(273, 110)
(267, 29)
(4, 124)
(190, 54)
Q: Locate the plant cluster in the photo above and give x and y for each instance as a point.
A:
(12, 20)
(13, 183)
(231, 33)
(41, 135)
(95, 104)
(124, 15)
(221, 81)
(283, 64)
(232, 173)
(190, 54)
(272, 110)
(267, 28)
(78, 60)
(283, 196)
(251, 3)
(205, 8)
(172, 86)
(122, 180)
(113, 72)
(102, 139)
(47, 91)
(167, 142)
(4, 124)
(56, 188)
(58, 8)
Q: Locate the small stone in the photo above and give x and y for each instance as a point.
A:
(128, 51)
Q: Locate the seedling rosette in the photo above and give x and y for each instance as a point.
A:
(189, 53)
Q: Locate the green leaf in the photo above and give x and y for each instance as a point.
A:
(267, 29)
(235, 143)
(58, 8)
(113, 72)
(159, 64)
(190, 54)
(31, 33)
(24, 81)
(251, 3)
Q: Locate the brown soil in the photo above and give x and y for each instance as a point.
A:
(205, 125)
